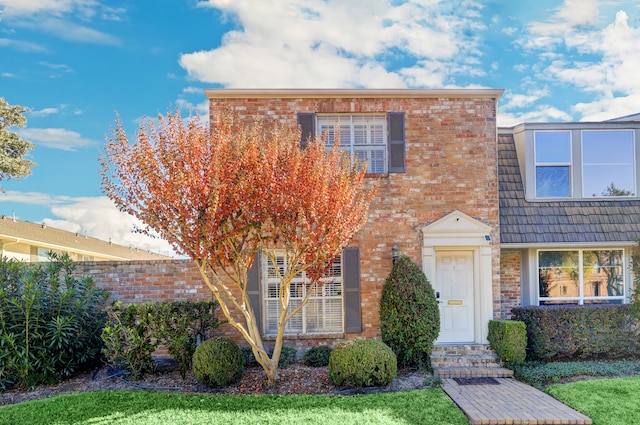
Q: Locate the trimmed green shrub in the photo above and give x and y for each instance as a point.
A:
(570, 332)
(317, 356)
(248, 359)
(509, 339)
(288, 356)
(218, 361)
(50, 321)
(134, 332)
(409, 314)
(362, 363)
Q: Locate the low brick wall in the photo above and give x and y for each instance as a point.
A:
(172, 280)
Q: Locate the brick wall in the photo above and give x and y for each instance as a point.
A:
(510, 275)
(451, 162)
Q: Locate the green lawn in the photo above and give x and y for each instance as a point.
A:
(154, 408)
(606, 401)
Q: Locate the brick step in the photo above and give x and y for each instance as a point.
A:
(465, 360)
(462, 349)
(472, 372)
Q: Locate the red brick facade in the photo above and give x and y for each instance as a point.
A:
(451, 164)
(510, 271)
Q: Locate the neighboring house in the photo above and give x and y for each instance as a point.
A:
(30, 242)
(434, 155)
(569, 211)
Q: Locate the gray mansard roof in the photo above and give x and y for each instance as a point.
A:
(563, 222)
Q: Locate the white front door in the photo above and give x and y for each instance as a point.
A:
(454, 283)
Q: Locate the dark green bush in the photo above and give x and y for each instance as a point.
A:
(50, 321)
(409, 314)
(569, 332)
(248, 359)
(129, 338)
(217, 361)
(182, 324)
(540, 374)
(288, 356)
(509, 339)
(317, 356)
(134, 332)
(362, 363)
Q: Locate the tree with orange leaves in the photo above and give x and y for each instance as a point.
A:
(221, 195)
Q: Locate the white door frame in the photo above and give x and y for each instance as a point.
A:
(460, 232)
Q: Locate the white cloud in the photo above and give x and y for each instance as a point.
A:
(56, 138)
(315, 43)
(44, 112)
(24, 46)
(94, 216)
(575, 49)
(58, 18)
(542, 113)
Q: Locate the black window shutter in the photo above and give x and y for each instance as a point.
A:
(397, 148)
(351, 280)
(253, 290)
(306, 121)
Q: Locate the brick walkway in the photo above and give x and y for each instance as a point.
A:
(510, 402)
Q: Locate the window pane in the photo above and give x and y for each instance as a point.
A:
(553, 147)
(607, 163)
(553, 182)
(603, 273)
(364, 136)
(558, 275)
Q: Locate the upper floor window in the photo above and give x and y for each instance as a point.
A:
(377, 139)
(584, 164)
(363, 136)
(553, 164)
(607, 163)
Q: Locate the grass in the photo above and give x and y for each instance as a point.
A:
(606, 401)
(155, 408)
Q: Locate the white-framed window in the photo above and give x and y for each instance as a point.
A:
(584, 163)
(322, 314)
(553, 164)
(363, 136)
(581, 276)
(608, 167)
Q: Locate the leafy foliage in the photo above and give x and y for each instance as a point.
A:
(362, 363)
(317, 356)
(50, 321)
(569, 332)
(220, 195)
(540, 374)
(218, 361)
(135, 331)
(509, 339)
(409, 313)
(288, 356)
(12, 148)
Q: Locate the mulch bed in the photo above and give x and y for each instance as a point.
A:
(295, 379)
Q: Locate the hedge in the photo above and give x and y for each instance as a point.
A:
(571, 332)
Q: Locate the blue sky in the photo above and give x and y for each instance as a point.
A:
(74, 63)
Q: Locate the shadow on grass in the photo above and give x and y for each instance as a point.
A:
(154, 408)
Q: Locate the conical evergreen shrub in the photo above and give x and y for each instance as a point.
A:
(409, 314)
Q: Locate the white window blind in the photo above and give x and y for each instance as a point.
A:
(322, 314)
